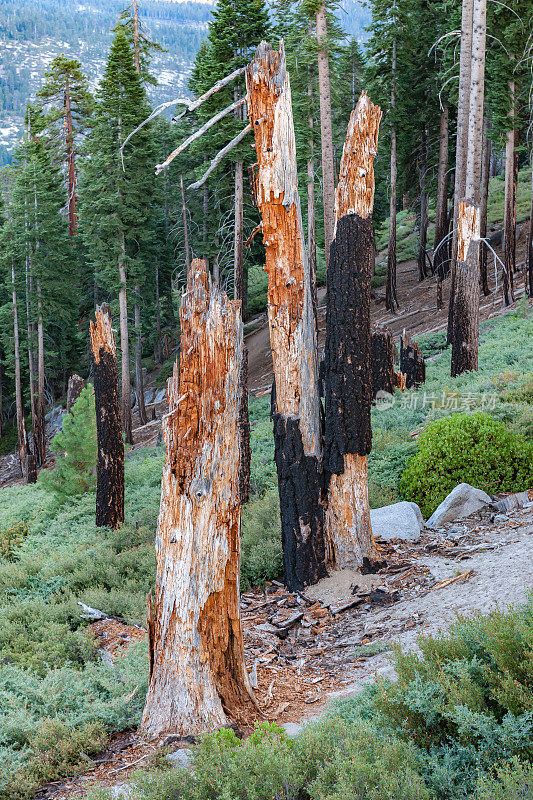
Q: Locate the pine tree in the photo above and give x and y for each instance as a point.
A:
(117, 192)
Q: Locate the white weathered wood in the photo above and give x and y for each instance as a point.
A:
(198, 677)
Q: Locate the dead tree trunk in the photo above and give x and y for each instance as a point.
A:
(198, 678)
(511, 181)
(463, 110)
(465, 328)
(244, 433)
(21, 425)
(139, 382)
(311, 221)
(295, 401)
(326, 129)
(382, 362)
(529, 248)
(347, 365)
(39, 430)
(75, 388)
(124, 343)
(483, 209)
(185, 228)
(440, 247)
(110, 463)
(423, 200)
(391, 295)
(412, 363)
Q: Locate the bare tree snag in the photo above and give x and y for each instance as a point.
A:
(412, 363)
(347, 364)
(484, 197)
(440, 248)
(110, 463)
(295, 401)
(382, 362)
(529, 247)
(465, 330)
(139, 381)
(75, 387)
(326, 129)
(511, 182)
(400, 381)
(391, 295)
(198, 676)
(21, 425)
(244, 433)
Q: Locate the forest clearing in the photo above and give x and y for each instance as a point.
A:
(266, 454)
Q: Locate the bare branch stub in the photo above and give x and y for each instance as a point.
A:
(296, 404)
(347, 364)
(110, 463)
(198, 676)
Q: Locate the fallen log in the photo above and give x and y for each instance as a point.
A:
(347, 363)
(110, 461)
(198, 677)
(295, 401)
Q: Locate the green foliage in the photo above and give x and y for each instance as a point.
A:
(513, 781)
(75, 447)
(11, 538)
(469, 448)
(261, 554)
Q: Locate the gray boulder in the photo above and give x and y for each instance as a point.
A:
(160, 396)
(400, 521)
(292, 729)
(181, 758)
(462, 501)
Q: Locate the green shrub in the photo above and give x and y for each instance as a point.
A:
(513, 781)
(11, 538)
(75, 448)
(261, 555)
(470, 448)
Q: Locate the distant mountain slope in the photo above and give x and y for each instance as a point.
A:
(32, 32)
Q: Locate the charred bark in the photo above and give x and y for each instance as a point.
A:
(75, 388)
(291, 319)
(465, 332)
(412, 363)
(347, 364)
(110, 462)
(382, 362)
(198, 677)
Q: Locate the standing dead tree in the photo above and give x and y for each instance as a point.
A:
(75, 388)
(110, 463)
(198, 678)
(382, 362)
(295, 397)
(412, 363)
(347, 366)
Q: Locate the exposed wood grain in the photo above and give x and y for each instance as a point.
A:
(198, 675)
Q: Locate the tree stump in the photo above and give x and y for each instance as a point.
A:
(110, 461)
(347, 364)
(198, 677)
(295, 400)
(412, 363)
(382, 360)
(75, 387)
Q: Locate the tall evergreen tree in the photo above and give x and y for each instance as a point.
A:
(117, 191)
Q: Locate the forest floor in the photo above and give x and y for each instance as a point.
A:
(418, 312)
(303, 651)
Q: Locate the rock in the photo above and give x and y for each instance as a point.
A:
(160, 396)
(181, 758)
(517, 500)
(54, 420)
(398, 521)
(462, 501)
(149, 396)
(292, 729)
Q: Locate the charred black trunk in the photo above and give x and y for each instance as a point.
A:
(382, 360)
(412, 363)
(110, 463)
(302, 518)
(465, 331)
(75, 387)
(347, 368)
(39, 432)
(244, 434)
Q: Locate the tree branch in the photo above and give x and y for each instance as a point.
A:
(219, 156)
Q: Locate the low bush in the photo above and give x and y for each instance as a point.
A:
(261, 555)
(469, 448)
(513, 781)
(11, 538)
(75, 448)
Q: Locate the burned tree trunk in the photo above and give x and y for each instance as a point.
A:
(412, 363)
(296, 402)
(484, 196)
(75, 388)
(465, 330)
(382, 362)
(198, 677)
(509, 234)
(347, 365)
(110, 463)
(529, 247)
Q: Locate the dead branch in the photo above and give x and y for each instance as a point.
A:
(218, 158)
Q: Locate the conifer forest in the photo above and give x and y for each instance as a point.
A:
(266, 400)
